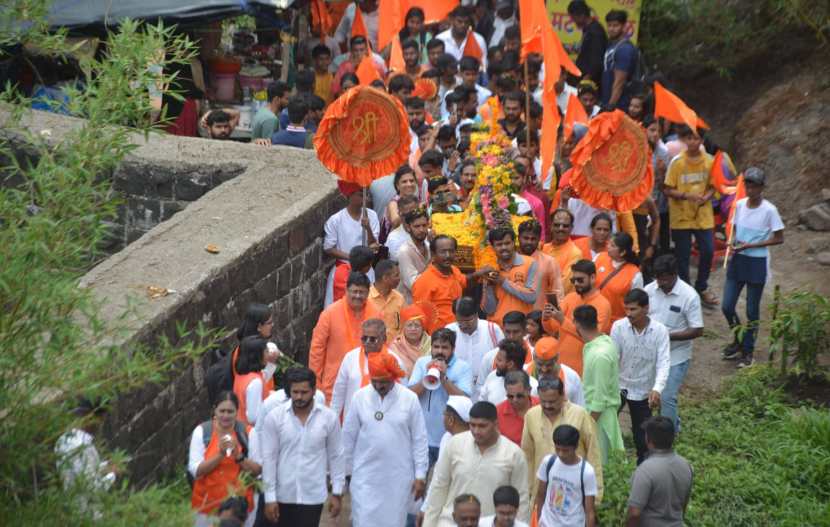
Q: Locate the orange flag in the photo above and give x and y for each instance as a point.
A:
(471, 47)
(320, 17)
(565, 59)
(434, 10)
(575, 113)
(391, 19)
(740, 193)
(672, 108)
(396, 62)
(366, 71)
(358, 26)
(550, 112)
(532, 17)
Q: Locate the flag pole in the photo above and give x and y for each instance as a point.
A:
(527, 104)
(363, 215)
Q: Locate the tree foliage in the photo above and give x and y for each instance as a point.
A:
(53, 209)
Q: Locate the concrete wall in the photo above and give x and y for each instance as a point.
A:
(152, 188)
(268, 224)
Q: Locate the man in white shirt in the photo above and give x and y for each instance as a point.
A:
(399, 235)
(354, 369)
(506, 501)
(276, 399)
(455, 38)
(474, 337)
(514, 324)
(301, 443)
(676, 305)
(414, 255)
(385, 440)
(510, 357)
(644, 362)
(476, 462)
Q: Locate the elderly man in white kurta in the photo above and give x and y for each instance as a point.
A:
(385, 441)
(354, 370)
(476, 462)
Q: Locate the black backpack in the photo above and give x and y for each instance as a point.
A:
(219, 376)
(207, 432)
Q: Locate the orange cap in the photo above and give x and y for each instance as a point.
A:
(547, 348)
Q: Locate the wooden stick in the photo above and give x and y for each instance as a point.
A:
(527, 106)
(363, 215)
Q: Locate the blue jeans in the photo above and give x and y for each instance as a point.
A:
(705, 239)
(668, 399)
(731, 292)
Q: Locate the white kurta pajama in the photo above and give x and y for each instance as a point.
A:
(343, 232)
(386, 455)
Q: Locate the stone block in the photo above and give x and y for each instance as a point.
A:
(284, 280)
(190, 189)
(296, 238)
(266, 289)
(298, 271)
(817, 217)
(169, 208)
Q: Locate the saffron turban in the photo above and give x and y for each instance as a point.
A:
(547, 348)
(346, 188)
(423, 311)
(383, 366)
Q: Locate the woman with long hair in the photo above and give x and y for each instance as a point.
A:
(405, 185)
(618, 272)
(534, 329)
(220, 451)
(249, 383)
(414, 29)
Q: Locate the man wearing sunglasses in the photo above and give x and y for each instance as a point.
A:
(559, 319)
(354, 370)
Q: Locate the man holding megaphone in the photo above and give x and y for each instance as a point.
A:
(434, 379)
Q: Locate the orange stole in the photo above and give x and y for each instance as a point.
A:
(615, 289)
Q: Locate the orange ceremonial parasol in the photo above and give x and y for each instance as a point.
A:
(363, 136)
(612, 164)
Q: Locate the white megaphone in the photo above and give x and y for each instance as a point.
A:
(432, 380)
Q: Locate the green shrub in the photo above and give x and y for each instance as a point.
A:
(800, 332)
(757, 461)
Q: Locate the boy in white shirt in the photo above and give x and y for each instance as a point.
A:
(506, 502)
(567, 484)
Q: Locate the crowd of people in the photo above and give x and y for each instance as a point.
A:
(490, 397)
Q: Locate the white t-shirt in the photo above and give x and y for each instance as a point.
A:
(756, 225)
(490, 521)
(563, 501)
(583, 214)
(493, 390)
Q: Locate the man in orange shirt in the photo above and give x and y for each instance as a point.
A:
(385, 299)
(338, 331)
(515, 286)
(560, 320)
(530, 234)
(442, 283)
(562, 247)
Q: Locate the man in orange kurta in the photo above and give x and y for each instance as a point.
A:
(516, 283)
(562, 247)
(583, 277)
(441, 283)
(530, 234)
(338, 331)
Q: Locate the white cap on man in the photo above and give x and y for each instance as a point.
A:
(461, 405)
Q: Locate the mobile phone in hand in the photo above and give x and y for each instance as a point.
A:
(553, 300)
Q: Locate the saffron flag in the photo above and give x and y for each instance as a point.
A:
(550, 112)
(723, 174)
(396, 62)
(672, 108)
(740, 193)
(320, 17)
(434, 10)
(471, 47)
(575, 113)
(565, 59)
(532, 17)
(391, 19)
(366, 71)
(358, 26)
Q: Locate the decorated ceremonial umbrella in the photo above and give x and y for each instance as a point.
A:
(364, 135)
(612, 163)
